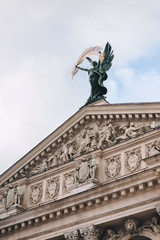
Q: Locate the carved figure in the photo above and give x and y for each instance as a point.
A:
(52, 188)
(71, 146)
(111, 235)
(76, 173)
(54, 161)
(153, 225)
(97, 73)
(50, 160)
(87, 136)
(131, 225)
(4, 198)
(93, 166)
(18, 194)
(65, 151)
(129, 131)
(40, 168)
(106, 134)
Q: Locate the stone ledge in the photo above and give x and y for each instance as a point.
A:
(11, 211)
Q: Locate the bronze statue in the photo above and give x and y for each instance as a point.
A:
(97, 73)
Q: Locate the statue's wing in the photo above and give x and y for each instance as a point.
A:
(107, 58)
(89, 51)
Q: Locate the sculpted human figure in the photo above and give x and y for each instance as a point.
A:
(106, 134)
(97, 72)
(4, 198)
(18, 194)
(41, 167)
(76, 173)
(93, 166)
(65, 151)
(71, 146)
(130, 131)
(54, 161)
(87, 136)
(50, 159)
(112, 235)
(153, 225)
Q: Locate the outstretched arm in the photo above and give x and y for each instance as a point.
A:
(84, 69)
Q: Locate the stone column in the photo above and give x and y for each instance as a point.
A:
(91, 233)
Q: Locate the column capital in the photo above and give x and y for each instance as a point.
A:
(91, 233)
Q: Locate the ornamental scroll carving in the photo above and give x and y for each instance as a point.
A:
(36, 193)
(113, 166)
(133, 159)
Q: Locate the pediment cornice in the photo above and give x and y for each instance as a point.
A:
(98, 111)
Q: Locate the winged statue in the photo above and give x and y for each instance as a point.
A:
(97, 73)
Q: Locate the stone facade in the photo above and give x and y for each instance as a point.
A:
(95, 177)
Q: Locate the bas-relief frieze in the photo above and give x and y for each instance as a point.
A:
(92, 136)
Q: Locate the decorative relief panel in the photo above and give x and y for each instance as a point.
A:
(68, 181)
(133, 159)
(12, 196)
(52, 189)
(85, 169)
(113, 166)
(153, 148)
(36, 193)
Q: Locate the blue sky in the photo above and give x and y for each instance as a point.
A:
(40, 42)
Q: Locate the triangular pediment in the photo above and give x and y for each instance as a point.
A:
(92, 122)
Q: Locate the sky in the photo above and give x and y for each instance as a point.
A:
(40, 42)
